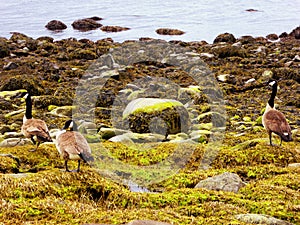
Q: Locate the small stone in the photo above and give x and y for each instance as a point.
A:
(207, 55)
(168, 31)
(294, 165)
(261, 219)
(85, 24)
(230, 182)
(12, 142)
(10, 66)
(114, 28)
(296, 58)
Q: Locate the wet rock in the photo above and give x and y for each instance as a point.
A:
(96, 18)
(12, 142)
(85, 24)
(216, 118)
(114, 28)
(4, 48)
(153, 115)
(272, 37)
(56, 25)
(226, 37)
(261, 219)
(224, 182)
(10, 66)
(168, 31)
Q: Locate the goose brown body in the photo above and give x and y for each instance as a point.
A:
(274, 121)
(34, 128)
(72, 145)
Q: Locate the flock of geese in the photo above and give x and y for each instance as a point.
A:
(72, 145)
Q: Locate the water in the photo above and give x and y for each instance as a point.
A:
(200, 19)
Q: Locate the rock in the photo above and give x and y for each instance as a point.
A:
(216, 118)
(207, 55)
(227, 78)
(107, 132)
(85, 24)
(4, 49)
(272, 37)
(246, 39)
(92, 138)
(12, 142)
(63, 111)
(31, 83)
(154, 115)
(7, 135)
(10, 66)
(83, 54)
(251, 10)
(226, 37)
(199, 136)
(296, 58)
(224, 182)
(295, 33)
(136, 222)
(114, 28)
(261, 219)
(56, 25)
(168, 31)
(147, 222)
(294, 165)
(129, 138)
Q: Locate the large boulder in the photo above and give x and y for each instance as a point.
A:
(154, 115)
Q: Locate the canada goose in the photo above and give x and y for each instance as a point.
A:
(274, 121)
(72, 145)
(34, 128)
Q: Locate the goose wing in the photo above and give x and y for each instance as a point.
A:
(73, 143)
(36, 127)
(277, 122)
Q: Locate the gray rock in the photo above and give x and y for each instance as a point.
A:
(261, 219)
(12, 135)
(129, 138)
(199, 136)
(12, 142)
(224, 182)
(294, 165)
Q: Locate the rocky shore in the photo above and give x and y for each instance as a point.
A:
(175, 128)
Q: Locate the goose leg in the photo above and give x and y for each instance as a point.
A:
(280, 141)
(66, 165)
(270, 137)
(78, 168)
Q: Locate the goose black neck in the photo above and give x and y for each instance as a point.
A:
(272, 98)
(28, 112)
